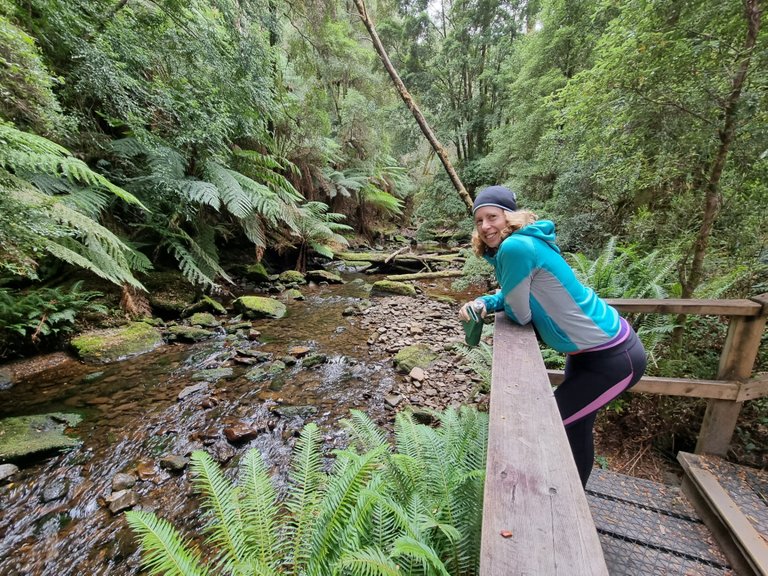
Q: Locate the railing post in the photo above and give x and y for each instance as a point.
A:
(736, 362)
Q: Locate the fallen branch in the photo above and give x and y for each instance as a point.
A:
(424, 275)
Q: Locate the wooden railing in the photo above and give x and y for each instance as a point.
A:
(733, 383)
(536, 519)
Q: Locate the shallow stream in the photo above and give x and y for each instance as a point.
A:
(53, 517)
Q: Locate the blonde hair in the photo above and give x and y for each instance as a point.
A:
(515, 221)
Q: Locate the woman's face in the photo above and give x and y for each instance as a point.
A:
(489, 222)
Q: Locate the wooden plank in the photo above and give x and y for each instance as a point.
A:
(736, 362)
(755, 388)
(536, 520)
(752, 545)
(741, 307)
(719, 389)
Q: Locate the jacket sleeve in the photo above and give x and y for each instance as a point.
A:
(516, 262)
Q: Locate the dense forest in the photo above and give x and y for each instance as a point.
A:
(140, 136)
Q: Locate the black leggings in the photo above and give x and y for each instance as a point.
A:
(592, 380)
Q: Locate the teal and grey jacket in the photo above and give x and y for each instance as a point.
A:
(538, 286)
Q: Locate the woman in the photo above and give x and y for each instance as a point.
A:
(604, 355)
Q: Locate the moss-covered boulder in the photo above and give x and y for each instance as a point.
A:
(205, 304)
(25, 435)
(260, 307)
(412, 356)
(204, 319)
(293, 294)
(292, 277)
(324, 276)
(188, 334)
(256, 273)
(390, 287)
(113, 344)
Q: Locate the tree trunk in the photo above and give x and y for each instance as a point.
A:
(409, 102)
(691, 280)
(690, 276)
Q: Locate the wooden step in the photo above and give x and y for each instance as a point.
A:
(733, 501)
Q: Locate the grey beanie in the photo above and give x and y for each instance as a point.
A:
(498, 196)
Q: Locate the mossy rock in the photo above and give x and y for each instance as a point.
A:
(256, 272)
(260, 307)
(314, 360)
(205, 304)
(292, 276)
(324, 276)
(390, 287)
(204, 319)
(189, 333)
(212, 374)
(412, 356)
(113, 344)
(25, 435)
(293, 294)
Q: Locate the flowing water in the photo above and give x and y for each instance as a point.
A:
(53, 517)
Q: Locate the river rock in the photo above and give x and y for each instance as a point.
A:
(391, 287)
(7, 470)
(26, 435)
(6, 379)
(256, 272)
(299, 351)
(189, 390)
(189, 333)
(314, 360)
(260, 307)
(58, 488)
(204, 319)
(412, 356)
(212, 374)
(292, 277)
(173, 463)
(113, 344)
(241, 432)
(324, 276)
(123, 481)
(122, 500)
(205, 304)
(417, 374)
(293, 294)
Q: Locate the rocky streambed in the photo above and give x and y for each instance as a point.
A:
(253, 383)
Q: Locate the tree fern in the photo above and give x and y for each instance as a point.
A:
(164, 551)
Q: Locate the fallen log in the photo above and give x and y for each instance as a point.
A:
(424, 275)
(407, 257)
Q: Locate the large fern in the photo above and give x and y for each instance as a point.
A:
(377, 513)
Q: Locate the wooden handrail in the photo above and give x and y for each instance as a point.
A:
(688, 306)
(536, 519)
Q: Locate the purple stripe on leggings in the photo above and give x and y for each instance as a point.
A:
(601, 400)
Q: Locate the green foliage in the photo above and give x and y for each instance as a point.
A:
(26, 96)
(414, 510)
(41, 314)
(49, 186)
(476, 271)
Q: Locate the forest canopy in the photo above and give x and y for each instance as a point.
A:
(164, 134)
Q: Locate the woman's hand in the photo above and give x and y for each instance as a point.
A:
(479, 309)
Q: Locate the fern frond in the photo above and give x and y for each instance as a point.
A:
(221, 501)
(423, 553)
(369, 562)
(237, 201)
(260, 510)
(352, 473)
(164, 551)
(364, 431)
(303, 498)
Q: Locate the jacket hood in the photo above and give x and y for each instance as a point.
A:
(543, 230)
